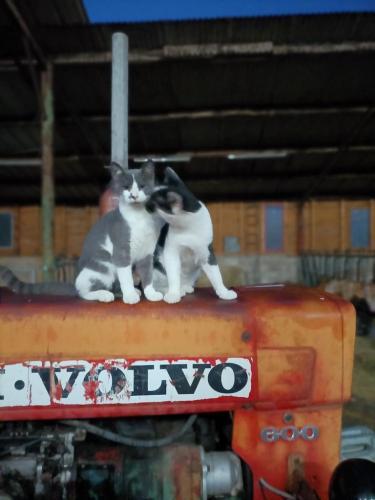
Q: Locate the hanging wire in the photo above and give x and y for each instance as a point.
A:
(264, 485)
(129, 441)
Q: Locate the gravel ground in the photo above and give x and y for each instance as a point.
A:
(361, 410)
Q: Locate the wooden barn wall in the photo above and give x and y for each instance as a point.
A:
(326, 225)
(71, 226)
(320, 226)
(245, 221)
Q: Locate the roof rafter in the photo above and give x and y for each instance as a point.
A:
(208, 51)
(248, 187)
(204, 51)
(204, 114)
(185, 156)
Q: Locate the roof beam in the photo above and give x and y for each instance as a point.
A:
(230, 154)
(20, 162)
(246, 154)
(240, 112)
(245, 187)
(268, 48)
(206, 51)
(212, 50)
(202, 114)
(223, 182)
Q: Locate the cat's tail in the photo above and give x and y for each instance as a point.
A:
(11, 281)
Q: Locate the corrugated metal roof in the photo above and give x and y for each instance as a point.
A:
(75, 37)
(292, 105)
(46, 13)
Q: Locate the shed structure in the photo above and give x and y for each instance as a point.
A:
(267, 119)
(263, 108)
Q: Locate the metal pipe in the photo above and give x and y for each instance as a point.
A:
(48, 187)
(119, 111)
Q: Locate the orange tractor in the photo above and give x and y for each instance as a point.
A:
(203, 399)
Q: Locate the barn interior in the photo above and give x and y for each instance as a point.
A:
(269, 120)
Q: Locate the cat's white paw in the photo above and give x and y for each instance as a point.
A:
(104, 296)
(131, 297)
(152, 295)
(188, 289)
(138, 291)
(172, 297)
(227, 294)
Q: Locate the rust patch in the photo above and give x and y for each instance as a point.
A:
(246, 336)
(58, 391)
(91, 388)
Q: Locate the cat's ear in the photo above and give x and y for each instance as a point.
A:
(116, 170)
(171, 178)
(148, 171)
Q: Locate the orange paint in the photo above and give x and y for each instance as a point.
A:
(300, 340)
(270, 460)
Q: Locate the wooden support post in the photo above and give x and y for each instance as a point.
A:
(301, 228)
(48, 188)
(372, 224)
(313, 246)
(343, 226)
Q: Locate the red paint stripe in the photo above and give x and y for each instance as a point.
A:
(130, 410)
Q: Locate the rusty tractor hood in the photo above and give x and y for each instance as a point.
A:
(275, 346)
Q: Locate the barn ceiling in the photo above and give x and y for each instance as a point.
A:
(266, 108)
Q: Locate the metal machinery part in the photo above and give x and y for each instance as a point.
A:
(47, 462)
(358, 442)
(222, 474)
(183, 471)
(37, 465)
(221, 471)
(41, 461)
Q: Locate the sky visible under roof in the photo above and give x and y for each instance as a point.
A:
(119, 11)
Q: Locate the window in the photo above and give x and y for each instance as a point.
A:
(6, 230)
(360, 227)
(274, 228)
(231, 244)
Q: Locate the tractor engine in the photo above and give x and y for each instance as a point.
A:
(202, 399)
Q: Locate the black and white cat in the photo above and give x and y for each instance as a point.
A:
(188, 240)
(120, 242)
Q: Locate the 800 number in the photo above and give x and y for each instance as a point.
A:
(289, 433)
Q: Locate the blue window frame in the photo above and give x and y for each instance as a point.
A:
(360, 227)
(6, 230)
(274, 228)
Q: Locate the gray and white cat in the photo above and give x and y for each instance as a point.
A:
(121, 242)
(188, 241)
